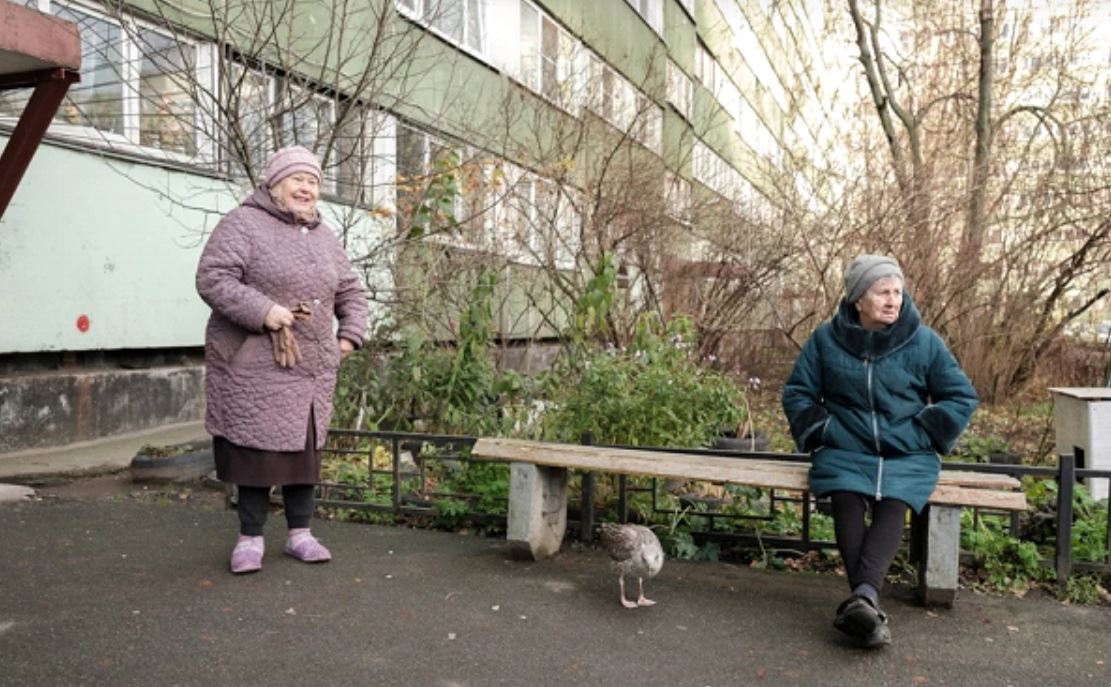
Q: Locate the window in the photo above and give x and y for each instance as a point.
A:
(703, 65)
(140, 87)
(543, 225)
(649, 128)
(167, 108)
(611, 95)
(713, 172)
(97, 101)
(546, 55)
(426, 167)
(364, 159)
(680, 89)
(459, 21)
(651, 11)
(250, 94)
(677, 192)
(307, 116)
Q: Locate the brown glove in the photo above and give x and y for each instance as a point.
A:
(286, 351)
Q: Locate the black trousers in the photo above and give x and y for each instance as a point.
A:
(254, 505)
(867, 549)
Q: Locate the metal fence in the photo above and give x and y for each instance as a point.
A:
(406, 481)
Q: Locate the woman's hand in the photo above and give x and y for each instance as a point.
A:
(278, 317)
(346, 348)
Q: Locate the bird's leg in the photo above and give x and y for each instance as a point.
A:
(641, 600)
(624, 602)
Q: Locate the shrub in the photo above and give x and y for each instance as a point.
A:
(651, 394)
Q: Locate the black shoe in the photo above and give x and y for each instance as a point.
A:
(858, 617)
(881, 636)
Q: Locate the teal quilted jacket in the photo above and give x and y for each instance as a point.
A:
(874, 408)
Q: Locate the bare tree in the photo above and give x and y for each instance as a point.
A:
(1002, 210)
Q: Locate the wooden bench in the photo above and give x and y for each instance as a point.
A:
(538, 497)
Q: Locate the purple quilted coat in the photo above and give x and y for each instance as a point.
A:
(257, 257)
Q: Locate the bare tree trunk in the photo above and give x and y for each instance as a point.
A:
(974, 229)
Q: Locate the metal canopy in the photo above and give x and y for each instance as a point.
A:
(40, 52)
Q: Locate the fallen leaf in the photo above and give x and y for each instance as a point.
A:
(919, 680)
(204, 584)
(761, 672)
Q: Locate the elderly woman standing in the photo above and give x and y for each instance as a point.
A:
(275, 276)
(874, 397)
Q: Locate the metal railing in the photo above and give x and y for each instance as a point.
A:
(411, 488)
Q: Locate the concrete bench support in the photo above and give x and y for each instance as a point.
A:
(936, 543)
(537, 516)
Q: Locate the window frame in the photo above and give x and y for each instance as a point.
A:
(653, 16)
(415, 11)
(129, 71)
(561, 93)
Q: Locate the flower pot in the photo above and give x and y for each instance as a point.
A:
(757, 441)
(176, 463)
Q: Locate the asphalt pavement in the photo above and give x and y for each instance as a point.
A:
(106, 582)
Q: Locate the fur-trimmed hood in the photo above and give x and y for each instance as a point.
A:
(874, 344)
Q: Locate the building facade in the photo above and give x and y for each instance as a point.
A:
(526, 136)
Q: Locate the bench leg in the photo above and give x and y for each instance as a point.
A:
(537, 510)
(935, 547)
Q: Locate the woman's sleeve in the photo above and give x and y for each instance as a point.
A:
(803, 400)
(952, 399)
(221, 272)
(350, 300)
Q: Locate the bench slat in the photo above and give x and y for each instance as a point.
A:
(955, 487)
(948, 495)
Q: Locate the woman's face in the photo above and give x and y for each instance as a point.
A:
(881, 304)
(297, 193)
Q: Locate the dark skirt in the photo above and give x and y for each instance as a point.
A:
(252, 467)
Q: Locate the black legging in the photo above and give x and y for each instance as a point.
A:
(254, 505)
(867, 551)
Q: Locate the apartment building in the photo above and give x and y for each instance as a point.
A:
(528, 135)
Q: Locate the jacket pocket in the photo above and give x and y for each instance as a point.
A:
(255, 349)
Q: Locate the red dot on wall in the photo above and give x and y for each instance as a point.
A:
(83, 323)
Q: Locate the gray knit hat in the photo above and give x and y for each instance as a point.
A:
(866, 270)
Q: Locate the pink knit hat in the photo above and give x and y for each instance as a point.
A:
(290, 161)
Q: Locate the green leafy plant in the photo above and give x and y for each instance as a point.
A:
(1008, 564)
(450, 513)
(424, 385)
(652, 394)
(979, 449)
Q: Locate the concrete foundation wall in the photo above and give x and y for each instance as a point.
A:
(56, 408)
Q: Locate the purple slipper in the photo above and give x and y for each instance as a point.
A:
(305, 547)
(246, 557)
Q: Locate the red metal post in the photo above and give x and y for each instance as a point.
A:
(51, 86)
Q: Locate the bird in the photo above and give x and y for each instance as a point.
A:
(635, 550)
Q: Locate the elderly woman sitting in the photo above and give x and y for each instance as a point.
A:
(874, 397)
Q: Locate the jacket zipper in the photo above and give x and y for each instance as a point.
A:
(875, 429)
